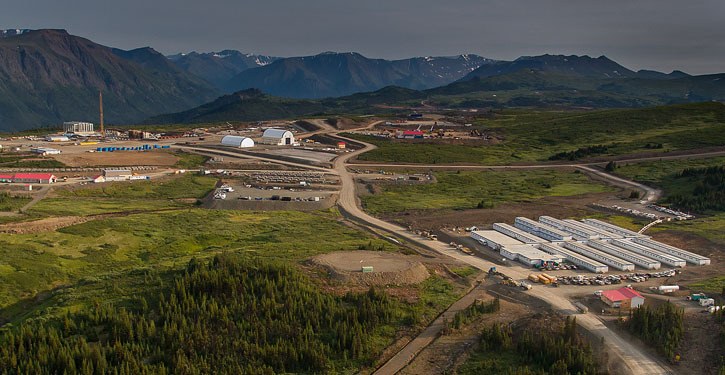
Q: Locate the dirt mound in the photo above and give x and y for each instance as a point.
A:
(388, 268)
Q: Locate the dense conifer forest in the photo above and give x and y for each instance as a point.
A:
(226, 315)
(540, 351)
(707, 189)
(661, 327)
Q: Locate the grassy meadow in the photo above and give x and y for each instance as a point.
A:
(466, 189)
(537, 135)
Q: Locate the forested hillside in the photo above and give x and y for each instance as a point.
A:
(222, 316)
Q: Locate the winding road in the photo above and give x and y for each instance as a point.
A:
(631, 357)
(637, 361)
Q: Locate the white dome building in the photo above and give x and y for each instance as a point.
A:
(278, 137)
(237, 141)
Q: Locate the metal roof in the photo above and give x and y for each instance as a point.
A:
(621, 294)
(276, 133)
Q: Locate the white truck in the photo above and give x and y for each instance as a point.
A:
(707, 302)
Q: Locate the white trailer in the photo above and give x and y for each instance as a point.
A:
(686, 255)
(637, 259)
(542, 230)
(663, 258)
(576, 231)
(595, 254)
(579, 260)
(612, 228)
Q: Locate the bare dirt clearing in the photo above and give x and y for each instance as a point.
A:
(117, 159)
(388, 268)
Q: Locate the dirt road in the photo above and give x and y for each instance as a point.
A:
(637, 361)
(425, 338)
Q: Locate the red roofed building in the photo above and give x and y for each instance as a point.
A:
(626, 298)
(34, 178)
(6, 178)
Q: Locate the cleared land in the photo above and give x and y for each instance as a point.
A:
(387, 268)
(117, 159)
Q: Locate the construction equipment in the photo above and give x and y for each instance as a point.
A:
(696, 297)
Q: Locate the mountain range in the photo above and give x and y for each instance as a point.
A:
(50, 76)
(336, 74)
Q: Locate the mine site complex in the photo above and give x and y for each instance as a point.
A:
(573, 261)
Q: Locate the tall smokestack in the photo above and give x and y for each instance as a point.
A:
(100, 105)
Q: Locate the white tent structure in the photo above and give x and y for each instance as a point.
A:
(237, 141)
(279, 137)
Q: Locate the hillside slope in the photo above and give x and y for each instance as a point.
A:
(50, 76)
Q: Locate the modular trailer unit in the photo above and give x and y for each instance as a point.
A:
(635, 258)
(576, 231)
(529, 255)
(612, 228)
(516, 233)
(494, 239)
(603, 257)
(663, 258)
(686, 255)
(542, 230)
(603, 234)
(574, 258)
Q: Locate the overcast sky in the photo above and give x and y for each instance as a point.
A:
(649, 34)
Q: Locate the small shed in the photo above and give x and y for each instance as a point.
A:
(237, 141)
(626, 298)
(278, 137)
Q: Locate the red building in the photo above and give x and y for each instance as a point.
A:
(29, 178)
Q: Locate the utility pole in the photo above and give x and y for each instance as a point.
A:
(100, 105)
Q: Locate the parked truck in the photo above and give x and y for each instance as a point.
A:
(534, 278)
(696, 297)
(544, 280)
(704, 302)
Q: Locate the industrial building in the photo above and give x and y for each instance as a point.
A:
(542, 230)
(79, 128)
(529, 255)
(117, 174)
(278, 137)
(29, 178)
(494, 239)
(625, 298)
(45, 151)
(57, 138)
(237, 141)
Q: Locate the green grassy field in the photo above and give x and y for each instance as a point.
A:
(467, 189)
(115, 248)
(129, 196)
(663, 173)
(28, 161)
(189, 161)
(9, 203)
(536, 135)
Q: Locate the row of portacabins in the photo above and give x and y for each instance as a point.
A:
(137, 148)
